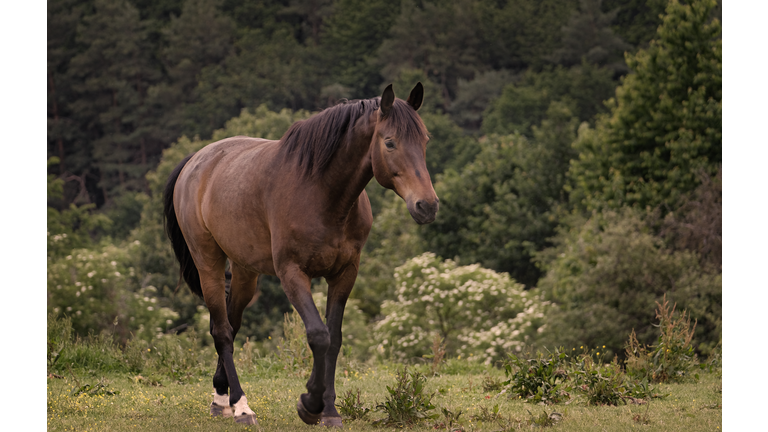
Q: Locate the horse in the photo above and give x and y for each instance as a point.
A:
(295, 208)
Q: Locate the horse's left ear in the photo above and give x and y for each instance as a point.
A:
(387, 99)
(417, 96)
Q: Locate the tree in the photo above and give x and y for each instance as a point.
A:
(501, 207)
(588, 35)
(440, 38)
(517, 35)
(474, 96)
(201, 36)
(268, 66)
(63, 16)
(114, 72)
(606, 274)
(636, 20)
(665, 123)
(352, 35)
(583, 88)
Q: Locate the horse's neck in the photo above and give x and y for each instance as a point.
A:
(348, 173)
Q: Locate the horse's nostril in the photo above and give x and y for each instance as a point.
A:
(420, 205)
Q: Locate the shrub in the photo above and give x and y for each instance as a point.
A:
(407, 403)
(98, 291)
(350, 406)
(540, 379)
(606, 275)
(479, 313)
(602, 383)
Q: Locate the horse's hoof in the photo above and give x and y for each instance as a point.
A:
(218, 410)
(331, 421)
(306, 416)
(247, 419)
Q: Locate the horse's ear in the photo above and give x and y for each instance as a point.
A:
(417, 96)
(387, 99)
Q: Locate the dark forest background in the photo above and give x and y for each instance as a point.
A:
(576, 145)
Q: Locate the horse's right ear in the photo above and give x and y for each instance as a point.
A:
(387, 99)
(416, 97)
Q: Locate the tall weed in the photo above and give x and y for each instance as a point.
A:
(672, 357)
(293, 350)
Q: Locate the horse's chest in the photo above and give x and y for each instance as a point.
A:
(322, 252)
(327, 258)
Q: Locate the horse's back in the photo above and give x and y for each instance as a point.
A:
(220, 197)
(252, 203)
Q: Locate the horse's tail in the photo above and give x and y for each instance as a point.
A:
(172, 229)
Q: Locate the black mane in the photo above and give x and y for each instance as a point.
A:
(315, 140)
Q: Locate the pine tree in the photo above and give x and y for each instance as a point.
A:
(200, 37)
(351, 37)
(588, 35)
(439, 38)
(665, 127)
(114, 72)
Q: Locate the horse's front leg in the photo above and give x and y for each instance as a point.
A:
(296, 285)
(339, 288)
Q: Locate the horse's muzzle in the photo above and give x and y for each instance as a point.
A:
(424, 212)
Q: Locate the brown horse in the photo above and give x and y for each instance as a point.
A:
(295, 208)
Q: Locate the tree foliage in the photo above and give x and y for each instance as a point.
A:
(524, 104)
(533, 169)
(607, 274)
(665, 122)
(503, 205)
(588, 36)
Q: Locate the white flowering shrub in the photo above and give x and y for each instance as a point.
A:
(480, 313)
(98, 292)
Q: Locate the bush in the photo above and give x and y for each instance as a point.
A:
(602, 383)
(539, 380)
(407, 403)
(351, 407)
(98, 292)
(607, 274)
(479, 313)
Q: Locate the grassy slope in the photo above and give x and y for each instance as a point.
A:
(273, 394)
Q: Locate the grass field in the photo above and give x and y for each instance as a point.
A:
(120, 401)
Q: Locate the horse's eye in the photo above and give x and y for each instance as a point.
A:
(390, 144)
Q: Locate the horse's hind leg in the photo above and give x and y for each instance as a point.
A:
(243, 292)
(339, 288)
(220, 405)
(212, 282)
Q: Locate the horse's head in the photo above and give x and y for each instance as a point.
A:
(399, 151)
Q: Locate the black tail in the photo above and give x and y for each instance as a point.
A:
(188, 269)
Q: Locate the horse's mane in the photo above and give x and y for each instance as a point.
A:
(315, 140)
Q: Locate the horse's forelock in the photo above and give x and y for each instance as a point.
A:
(406, 122)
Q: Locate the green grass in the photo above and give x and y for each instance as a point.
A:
(138, 404)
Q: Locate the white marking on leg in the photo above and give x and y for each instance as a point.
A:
(241, 407)
(220, 400)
